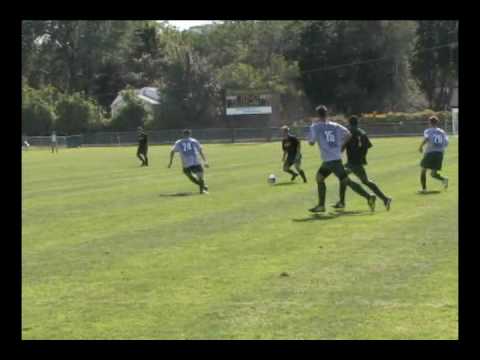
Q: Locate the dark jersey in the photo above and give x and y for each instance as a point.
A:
(142, 140)
(357, 147)
(291, 145)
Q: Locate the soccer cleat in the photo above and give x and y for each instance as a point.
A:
(445, 183)
(294, 176)
(339, 205)
(317, 209)
(423, 191)
(371, 202)
(387, 203)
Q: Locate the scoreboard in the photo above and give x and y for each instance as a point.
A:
(248, 103)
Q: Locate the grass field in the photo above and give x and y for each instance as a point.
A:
(114, 251)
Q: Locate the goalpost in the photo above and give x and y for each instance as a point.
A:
(455, 121)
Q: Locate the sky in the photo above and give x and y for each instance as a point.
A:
(185, 24)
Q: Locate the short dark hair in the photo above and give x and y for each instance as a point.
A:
(321, 110)
(353, 121)
(187, 132)
(433, 120)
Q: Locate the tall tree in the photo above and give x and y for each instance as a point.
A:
(434, 65)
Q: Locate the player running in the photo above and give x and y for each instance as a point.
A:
(189, 149)
(437, 141)
(357, 148)
(142, 146)
(292, 154)
(331, 139)
(53, 142)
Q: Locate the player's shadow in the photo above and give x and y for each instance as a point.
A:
(284, 183)
(429, 192)
(177, 194)
(329, 216)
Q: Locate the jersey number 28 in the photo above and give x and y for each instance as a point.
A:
(187, 147)
(438, 139)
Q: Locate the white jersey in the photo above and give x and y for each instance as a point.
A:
(189, 149)
(329, 136)
(54, 137)
(437, 139)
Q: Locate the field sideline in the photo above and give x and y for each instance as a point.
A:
(114, 251)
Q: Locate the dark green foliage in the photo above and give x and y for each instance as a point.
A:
(131, 115)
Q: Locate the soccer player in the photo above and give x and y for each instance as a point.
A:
(331, 139)
(53, 142)
(436, 140)
(292, 154)
(357, 148)
(142, 146)
(189, 149)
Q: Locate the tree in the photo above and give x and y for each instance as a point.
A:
(189, 95)
(434, 65)
(132, 115)
(77, 114)
(37, 114)
(353, 65)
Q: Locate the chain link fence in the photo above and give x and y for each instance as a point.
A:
(221, 135)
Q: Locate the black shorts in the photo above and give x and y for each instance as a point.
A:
(358, 170)
(193, 169)
(142, 150)
(334, 166)
(293, 159)
(432, 160)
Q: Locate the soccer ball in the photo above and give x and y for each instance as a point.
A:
(272, 179)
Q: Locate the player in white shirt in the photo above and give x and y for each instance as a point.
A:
(437, 141)
(53, 142)
(190, 149)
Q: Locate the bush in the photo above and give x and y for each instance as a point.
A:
(405, 117)
(38, 115)
(131, 115)
(77, 114)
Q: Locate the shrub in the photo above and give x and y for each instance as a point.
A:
(77, 114)
(132, 114)
(38, 115)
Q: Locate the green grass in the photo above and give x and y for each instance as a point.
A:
(107, 254)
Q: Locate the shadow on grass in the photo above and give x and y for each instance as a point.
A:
(284, 183)
(178, 194)
(429, 192)
(329, 216)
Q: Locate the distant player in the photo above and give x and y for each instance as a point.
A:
(331, 139)
(142, 146)
(437, 141)
(190, 149)
(292, 154)
(53, 142)
(357, 148)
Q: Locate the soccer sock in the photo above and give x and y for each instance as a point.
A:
(423, 180)
(192, 178)
(376, 190)
(322, 190)
(293, 173)
(302, 174)
(358, 189)
(146, 160)
(438, 176)
(201, 184)
(343, 190)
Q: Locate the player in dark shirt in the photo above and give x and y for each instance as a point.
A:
(292, 154)
(357, 148)
(142, 146)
